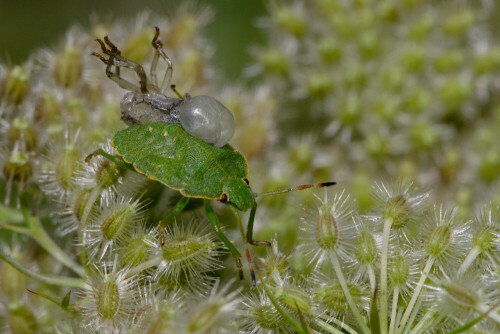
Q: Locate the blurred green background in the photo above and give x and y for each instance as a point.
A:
(27, 25)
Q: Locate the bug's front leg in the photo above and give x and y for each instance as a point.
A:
(214, 222)
(249, 235)
(114, 158)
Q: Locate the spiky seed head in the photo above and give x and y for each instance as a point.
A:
(115, 222)
(17, 166)
(401, 202)
(112, 226)
(108, 174)
(48, 109)
(330, 227)
(275, 62)
(66, 166)
(20, 319)
(15, 85)
(294, 297)
(138, 46)
(291, 21)
(332, 296)
(68, 66)
(189, 252)
(326, 228)
(111, 300)
(137, 249)
(445, 236)
(366, 247)
(13, 284)
(457, 23)
(81, 201)
(215, 314)
(398, 270)
(261, 317)
(21, 129)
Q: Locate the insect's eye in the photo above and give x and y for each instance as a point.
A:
(246, 181)
(223, 198)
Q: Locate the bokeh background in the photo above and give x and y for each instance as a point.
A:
(27, 25)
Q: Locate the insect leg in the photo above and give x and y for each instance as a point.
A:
(158, 45)
(114, 158)
(178, 207)
(214, 222)
(115, 53)
(249, 235)
(115, 76)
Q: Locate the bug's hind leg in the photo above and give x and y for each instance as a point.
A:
(178, 207)
(214, 222)
(159, 52)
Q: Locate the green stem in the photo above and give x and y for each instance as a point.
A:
(425, 322)
(143, 266)
(416, 293)
(474, 252)
(491, 313)
(89, 205)
(339, 323)
(340, 276)
(52, 280)
(371, 276)
(38, 233)
(383, 274)
(10, 216)
(277, 306)
(328, 327)
(395, 297)
(413, 315)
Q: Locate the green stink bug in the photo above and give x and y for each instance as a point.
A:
(196, 161)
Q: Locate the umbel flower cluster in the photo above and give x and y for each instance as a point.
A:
(350, 91)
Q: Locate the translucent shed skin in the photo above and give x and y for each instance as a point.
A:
(201, 116)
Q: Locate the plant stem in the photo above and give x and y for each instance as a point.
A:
(413, 314)
(416, 293)
(10, 216)
(345, 289)
(339, 323)
(474, 252)
(40, 235)
(492, 314)
(36, 231)
(143, 266)
(395, 297)
(328, 327)
(371, 276)
(426, 322)
(52, 280)
(89, 205)
(383, 274)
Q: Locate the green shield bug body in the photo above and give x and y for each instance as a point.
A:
(182, 143)
(185, 163)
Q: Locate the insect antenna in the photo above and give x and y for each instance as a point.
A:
(301, 187)
(172, 87)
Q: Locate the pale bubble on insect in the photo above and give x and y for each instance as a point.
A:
(207, 119)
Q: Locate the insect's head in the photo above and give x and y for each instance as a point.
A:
(237, 192)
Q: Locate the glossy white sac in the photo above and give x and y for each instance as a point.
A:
(207, 119)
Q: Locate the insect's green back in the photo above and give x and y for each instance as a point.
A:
(169, 154)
